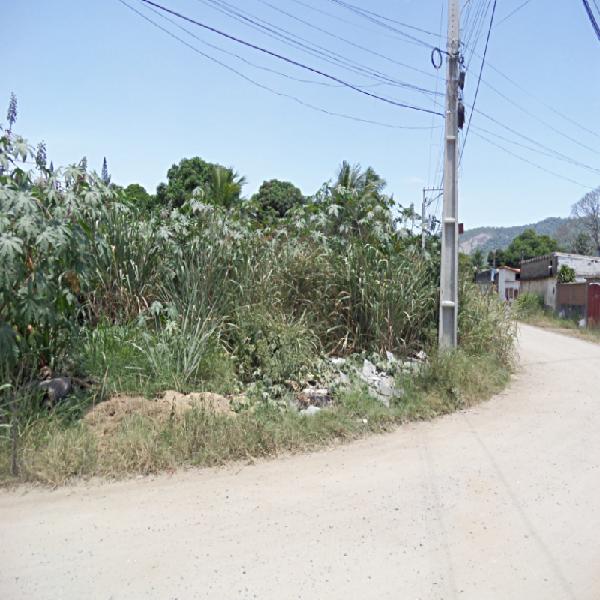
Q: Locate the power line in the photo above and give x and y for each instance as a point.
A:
(353, 7)
(591, 17)
(343, 39)
(263, 86)
(487, 41)
(472, 37)
(431, 134)
(340, 19)
(289, 37)
(249, 62)
(550, 153)
(533, 164)
(556, 153)
(537, 118)
(540, 100)
(315, 50)
(380, 21)
(293, 62)
(513, 12)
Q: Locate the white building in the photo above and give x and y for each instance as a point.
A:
(503, 281)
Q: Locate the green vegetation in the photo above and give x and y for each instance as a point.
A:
(275, 198)
(528, 244)
(125, 292)
(566, 274)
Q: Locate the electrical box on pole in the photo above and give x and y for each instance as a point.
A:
(449, 259)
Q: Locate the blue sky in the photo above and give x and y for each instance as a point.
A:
(93, 78)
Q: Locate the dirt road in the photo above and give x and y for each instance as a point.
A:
(498, 502)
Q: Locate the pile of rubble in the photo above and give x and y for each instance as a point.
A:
(380, 377)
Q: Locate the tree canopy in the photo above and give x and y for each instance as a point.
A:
(275, 198)
(527, 245)
(587, 210)
(219, 185)
(137, 195)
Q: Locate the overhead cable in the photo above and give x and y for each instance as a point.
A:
(529, 162)
(292, 61)
(249, 62)
(549, 153)
(343, 39)
(513, 12)
(305, 45)
(266, 87)
(556, 153)
(487, 41)
(383, 22)
(537, 118)
(592, 18)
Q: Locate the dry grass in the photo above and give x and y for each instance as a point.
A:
(141, 436)
(550, 321)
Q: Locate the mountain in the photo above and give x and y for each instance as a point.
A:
(491, 238)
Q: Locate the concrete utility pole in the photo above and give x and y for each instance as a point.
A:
(424, 205)
(449, 265)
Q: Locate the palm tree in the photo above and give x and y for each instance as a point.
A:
(349, 176)
(224, 187)
(366, 182)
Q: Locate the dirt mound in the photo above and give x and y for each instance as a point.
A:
(105, 417)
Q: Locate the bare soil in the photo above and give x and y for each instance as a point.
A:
(107, 416)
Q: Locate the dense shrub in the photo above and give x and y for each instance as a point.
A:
(528, 304)
(204, 296)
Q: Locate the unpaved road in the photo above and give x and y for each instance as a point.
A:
(498, 502)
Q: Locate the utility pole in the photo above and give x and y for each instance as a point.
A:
(449, 262)
(424, 205)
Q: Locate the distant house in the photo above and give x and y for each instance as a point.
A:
(504, 281)
(539, 274)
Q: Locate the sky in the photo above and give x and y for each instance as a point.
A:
(94, 78)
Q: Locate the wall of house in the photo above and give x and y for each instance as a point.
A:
(542, 287)
(538, 268)
(508, 286)
(585, 266)
(549, 264)
(571, 300)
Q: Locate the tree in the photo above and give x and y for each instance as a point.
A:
(137, 195)
(582, 244)
(587, 210)
(105, 176)
(355, 206)
(528, 245)
(220, 185)
(40, 156)
(352, 178)
(496, 258)
(477, 259)
(275, 197)
(11, 114)
(224, 187)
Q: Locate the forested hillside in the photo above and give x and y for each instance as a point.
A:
(564, 230)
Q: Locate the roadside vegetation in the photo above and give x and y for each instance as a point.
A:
(128, 295)
(530, 309)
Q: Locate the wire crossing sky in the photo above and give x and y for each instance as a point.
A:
(98, 79)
